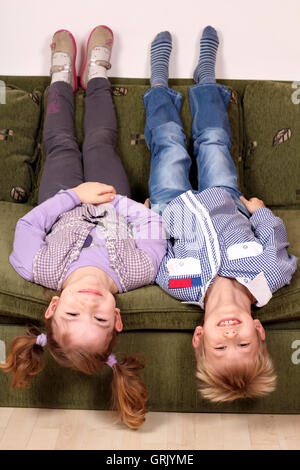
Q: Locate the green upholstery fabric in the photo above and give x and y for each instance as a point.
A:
(19, 126)
(155, 324)
(169, 376)
(272, 122)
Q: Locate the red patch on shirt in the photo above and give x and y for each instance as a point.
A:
(180, 283)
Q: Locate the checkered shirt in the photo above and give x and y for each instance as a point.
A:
(210, 237)
(66, 239)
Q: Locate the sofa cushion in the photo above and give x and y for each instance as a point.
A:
(131, 144)
(169, 375)
(19, 125)
(145, 308)
(272, 164)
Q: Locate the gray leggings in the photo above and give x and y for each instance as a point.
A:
(65, 166)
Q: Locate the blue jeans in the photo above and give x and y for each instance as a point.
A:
(170, 161)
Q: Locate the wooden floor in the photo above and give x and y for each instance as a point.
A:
(33, 428)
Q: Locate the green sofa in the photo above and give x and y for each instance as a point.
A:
(265, 126)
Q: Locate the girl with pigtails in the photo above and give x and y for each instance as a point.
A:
(85, 238)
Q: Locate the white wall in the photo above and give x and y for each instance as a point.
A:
(259, 39)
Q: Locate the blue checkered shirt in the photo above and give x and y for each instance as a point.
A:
(209, 236)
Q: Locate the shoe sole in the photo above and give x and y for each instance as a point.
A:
(74, 60)
(86, 53)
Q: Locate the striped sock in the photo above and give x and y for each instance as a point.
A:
(205, 70)
(160, 54)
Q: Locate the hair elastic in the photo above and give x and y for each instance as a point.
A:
(41, 340)
(111, 360)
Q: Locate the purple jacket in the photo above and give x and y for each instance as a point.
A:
(31, 230)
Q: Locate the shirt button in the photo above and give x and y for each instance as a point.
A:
(245, 247)
(246, 281)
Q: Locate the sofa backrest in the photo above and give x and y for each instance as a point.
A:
(264, 119)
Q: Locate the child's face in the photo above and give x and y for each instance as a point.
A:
(87, 317)
(229, 339)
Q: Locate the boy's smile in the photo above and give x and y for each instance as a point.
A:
(227, 322)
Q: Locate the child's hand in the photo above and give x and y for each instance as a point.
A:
(253, 204)
(147, 203)
(95, 193)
